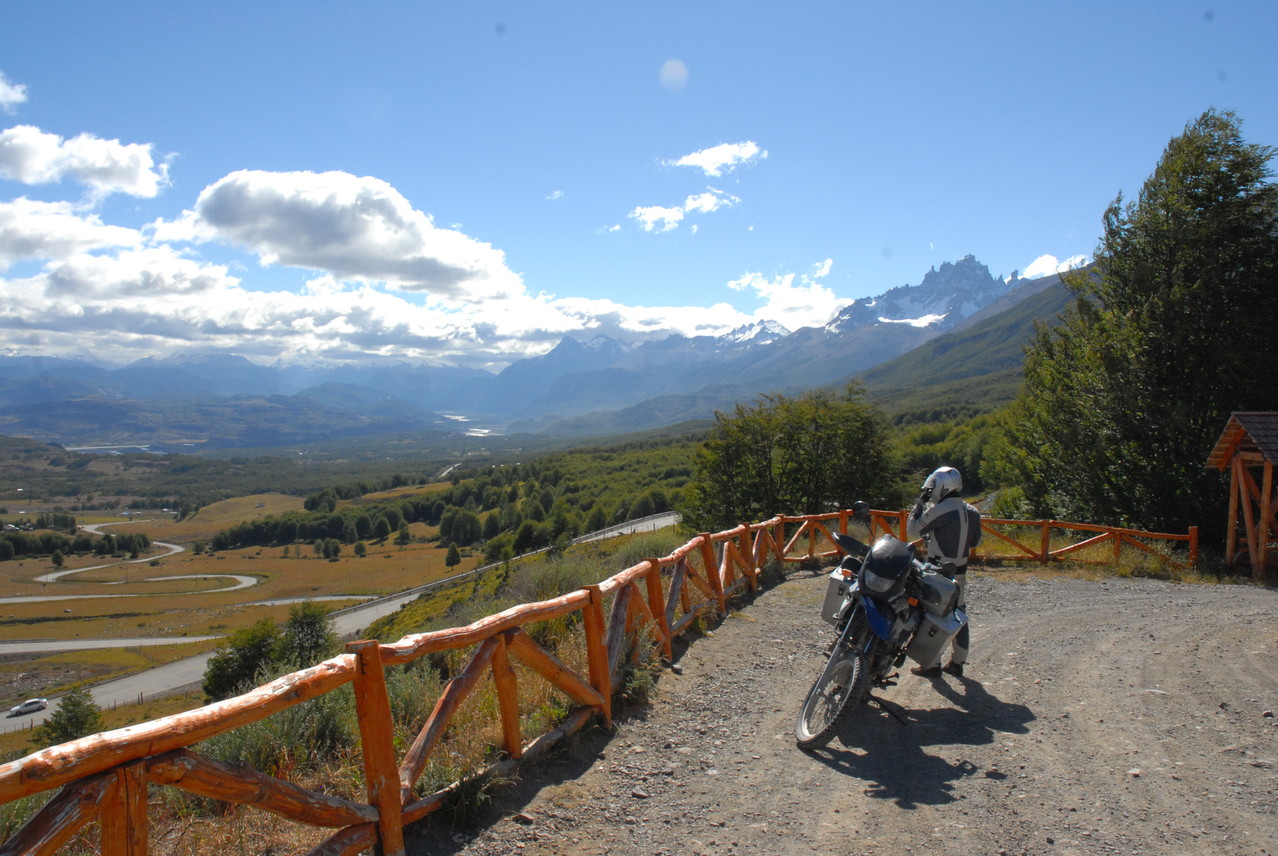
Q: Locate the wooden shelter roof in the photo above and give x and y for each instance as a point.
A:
(1254, 432)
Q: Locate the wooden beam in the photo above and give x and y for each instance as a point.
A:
(236, 783)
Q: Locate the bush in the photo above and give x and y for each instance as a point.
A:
(77, 715)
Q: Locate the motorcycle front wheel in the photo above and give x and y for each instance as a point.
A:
(841, 685)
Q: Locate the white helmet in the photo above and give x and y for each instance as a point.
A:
(943, 482)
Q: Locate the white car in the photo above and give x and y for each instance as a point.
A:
(31, 705)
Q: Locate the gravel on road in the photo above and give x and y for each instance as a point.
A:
(1122, 716)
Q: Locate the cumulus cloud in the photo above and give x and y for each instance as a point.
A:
(794, 300)
(1047, 264)
(31, 156)
(134, 302)
(11, 94)
(153, 273)
(356, 228)
(659, 218)
(54, 230)
(723, 158)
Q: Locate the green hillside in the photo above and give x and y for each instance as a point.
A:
(973, 370)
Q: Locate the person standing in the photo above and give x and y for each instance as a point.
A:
(950, 528)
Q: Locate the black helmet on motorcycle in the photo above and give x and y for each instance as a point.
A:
(886, 566)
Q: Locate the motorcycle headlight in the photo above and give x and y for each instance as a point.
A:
(876, 582)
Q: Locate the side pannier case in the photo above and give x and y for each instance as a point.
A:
(940, 593)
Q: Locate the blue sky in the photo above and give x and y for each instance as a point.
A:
(470, 182)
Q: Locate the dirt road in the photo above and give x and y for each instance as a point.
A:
(1125, 716)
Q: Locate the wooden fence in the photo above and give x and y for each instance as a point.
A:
(105, 777)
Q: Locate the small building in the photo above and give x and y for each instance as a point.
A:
(1247, 449)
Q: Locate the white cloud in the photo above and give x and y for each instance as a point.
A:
(793, 300)
(356, 228)
(725, 157)
(11, 94)
(54, 230)
(556, 195)
(658, 218)
(1047, 264)
(154, 300)
(31, 156)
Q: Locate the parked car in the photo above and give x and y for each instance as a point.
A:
(31, 705)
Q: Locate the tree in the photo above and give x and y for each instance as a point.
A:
(453, 559)
(404, 537)
(77, 715)
(308, 636)
(782, 455)
(1173, 330)
(245, 657)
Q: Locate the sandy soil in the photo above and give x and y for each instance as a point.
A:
(1122, 716)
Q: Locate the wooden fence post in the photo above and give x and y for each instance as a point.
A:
(710, 564)
(507, 699)
(597, 651)
(381, 773)
(124, 821)
(1045, 542)
(657, 606)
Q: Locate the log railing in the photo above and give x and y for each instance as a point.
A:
(1098, 545)
(105, 777)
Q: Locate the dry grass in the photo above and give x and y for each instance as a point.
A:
(162, 602)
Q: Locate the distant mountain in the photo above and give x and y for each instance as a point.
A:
(976, 367)
(582, 385)
(979, 365)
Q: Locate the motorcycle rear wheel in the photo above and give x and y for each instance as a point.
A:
(841, 685)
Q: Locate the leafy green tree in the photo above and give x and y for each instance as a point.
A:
(807, 454)
(58, 559)
(453, 559)
(404, 536)
(361, 549)
(308, 636)
(1172, 332)
(77, 716)
(245, 657)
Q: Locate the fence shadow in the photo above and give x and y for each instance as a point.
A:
(898, 767)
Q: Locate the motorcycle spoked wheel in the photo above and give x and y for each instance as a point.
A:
(841, 685)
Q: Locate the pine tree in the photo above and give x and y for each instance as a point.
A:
(77, 715)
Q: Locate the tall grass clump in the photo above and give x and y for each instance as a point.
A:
(300, 739)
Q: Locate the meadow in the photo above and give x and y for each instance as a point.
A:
(186, 593)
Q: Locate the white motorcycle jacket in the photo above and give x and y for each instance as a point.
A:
(951, 528)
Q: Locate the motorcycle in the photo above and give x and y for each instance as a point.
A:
(887, 605)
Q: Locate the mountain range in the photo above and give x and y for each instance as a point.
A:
(958, 323)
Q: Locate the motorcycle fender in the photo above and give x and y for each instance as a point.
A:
(880, 618)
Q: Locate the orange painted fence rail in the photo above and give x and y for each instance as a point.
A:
(104, 778)
(1000, 543)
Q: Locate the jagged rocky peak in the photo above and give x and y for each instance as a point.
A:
(945, 297)
(760, 332)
